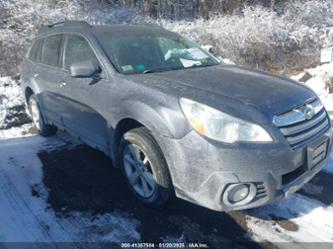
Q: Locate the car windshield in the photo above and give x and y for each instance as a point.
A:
(150, 54)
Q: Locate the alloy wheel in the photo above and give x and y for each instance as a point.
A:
(138, 171)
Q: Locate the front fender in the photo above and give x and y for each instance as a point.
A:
(165, 121)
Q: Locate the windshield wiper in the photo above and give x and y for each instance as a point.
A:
(158, 70)
(202, 65)
(153, 71)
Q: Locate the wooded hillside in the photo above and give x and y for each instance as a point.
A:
(180, 9)
(273, 35)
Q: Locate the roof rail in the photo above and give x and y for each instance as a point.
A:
(148, 24)
(65, 23)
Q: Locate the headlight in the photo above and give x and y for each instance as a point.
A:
(220, 126)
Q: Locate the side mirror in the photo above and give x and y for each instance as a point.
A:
(84, 69)
(208, 48)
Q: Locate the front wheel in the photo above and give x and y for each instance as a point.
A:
(38, 120)
(145, 168)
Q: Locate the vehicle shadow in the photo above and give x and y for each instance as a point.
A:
(319, 188)
(83, 179)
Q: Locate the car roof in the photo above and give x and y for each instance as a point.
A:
(113, 29)
(133, 29)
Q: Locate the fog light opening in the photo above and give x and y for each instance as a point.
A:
(239, 194)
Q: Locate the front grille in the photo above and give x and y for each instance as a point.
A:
(298, 128)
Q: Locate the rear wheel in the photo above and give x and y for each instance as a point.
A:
(38, 120)
(145, 168)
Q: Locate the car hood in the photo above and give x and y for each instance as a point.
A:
(267, 93)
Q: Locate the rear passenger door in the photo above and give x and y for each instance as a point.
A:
(48, 75)
(85, 97)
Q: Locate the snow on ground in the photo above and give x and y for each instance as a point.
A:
(28, 218)
(296, 219)
(11, 92)
(21, 131)
(12, 106)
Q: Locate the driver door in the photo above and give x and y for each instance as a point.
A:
(84, 98)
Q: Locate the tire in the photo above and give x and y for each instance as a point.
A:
(140, 146)
(42, 128)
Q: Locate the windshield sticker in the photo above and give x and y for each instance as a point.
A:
(189, 63)
(197, 53)
(187, 54)
(127, 68)
(177, 53)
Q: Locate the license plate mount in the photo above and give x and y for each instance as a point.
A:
(317, 153)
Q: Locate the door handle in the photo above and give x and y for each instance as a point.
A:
(62, 84)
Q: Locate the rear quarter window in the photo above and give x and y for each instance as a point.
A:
(51, 50)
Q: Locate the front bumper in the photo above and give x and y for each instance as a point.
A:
(202, 170)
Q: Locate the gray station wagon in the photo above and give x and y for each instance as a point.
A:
(176, 120)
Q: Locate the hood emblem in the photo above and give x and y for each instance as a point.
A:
(309, 112)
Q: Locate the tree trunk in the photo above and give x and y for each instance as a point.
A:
(204, 10)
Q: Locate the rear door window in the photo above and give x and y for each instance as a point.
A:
(52, 50)
(77, 50)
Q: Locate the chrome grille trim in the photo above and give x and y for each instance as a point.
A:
(303, 126)
(307, 135)
(297, 115)
(298, 128)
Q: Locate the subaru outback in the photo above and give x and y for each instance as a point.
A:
(173, 118)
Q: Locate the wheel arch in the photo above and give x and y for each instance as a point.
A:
(27, 93)
(124, 125)
(159, 119)
(147, 118)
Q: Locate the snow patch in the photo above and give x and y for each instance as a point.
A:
(312, 219)
(23, 205)
(12, 104)
(21, 131)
